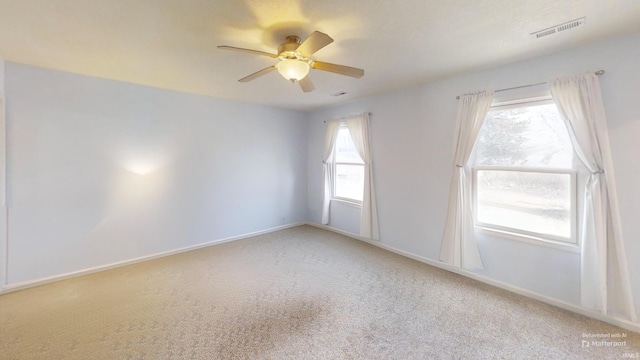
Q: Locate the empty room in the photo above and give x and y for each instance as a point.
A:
(291, 179)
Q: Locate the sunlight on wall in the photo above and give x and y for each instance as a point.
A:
(142, 167)
(137, 190)
(141, 159)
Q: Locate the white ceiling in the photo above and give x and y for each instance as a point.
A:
(172, 44)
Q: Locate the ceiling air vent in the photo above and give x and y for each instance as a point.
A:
(559, 28)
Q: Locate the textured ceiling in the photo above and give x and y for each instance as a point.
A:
(172, 44)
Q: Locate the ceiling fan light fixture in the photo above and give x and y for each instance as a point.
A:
(293, 69)
(295, 60)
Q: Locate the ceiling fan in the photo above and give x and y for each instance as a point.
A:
(294, 60)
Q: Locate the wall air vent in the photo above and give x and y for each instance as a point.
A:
(559, 28)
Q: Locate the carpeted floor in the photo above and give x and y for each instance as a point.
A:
(300, 293)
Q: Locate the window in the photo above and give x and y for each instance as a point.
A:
(349, 168)
(524, 173)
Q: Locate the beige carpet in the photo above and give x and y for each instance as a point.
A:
(300, 293)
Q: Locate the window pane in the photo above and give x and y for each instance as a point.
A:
(345, 150)
(532, 136)
(531, 201)
(349, 181)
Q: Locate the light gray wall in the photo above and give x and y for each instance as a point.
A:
(412, 145)
(345, 216)
(101, 171)
(3, 208)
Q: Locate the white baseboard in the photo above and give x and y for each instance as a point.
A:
(50, 279)
(625, 324)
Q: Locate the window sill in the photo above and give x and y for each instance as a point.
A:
(347, 202)
(530, 239)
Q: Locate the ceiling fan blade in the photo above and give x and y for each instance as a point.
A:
(257, 74)
(313, 43)
(338, 69)
(306, 84)
(256, 52)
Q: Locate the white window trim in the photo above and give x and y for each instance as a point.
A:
(350, 201)
(537, 95)
(525, 235)
(541, 97)
(347, 201)
(340, 198)
(534, 240)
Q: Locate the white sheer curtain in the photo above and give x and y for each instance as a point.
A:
(358, 126)
(330, 137)
(605, 284)
(459, 247)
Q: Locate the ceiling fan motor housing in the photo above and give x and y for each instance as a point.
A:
(287, 50)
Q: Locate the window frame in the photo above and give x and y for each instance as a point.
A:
(573, 243)
(572, 240)
(335, 172)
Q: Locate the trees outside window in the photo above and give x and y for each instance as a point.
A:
(524, 173)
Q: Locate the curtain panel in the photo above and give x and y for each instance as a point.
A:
(358, 126)
(605, 283)
(459, 247)
(330, 137)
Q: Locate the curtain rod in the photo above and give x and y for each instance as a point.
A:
(599, 72)
(342, 118)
